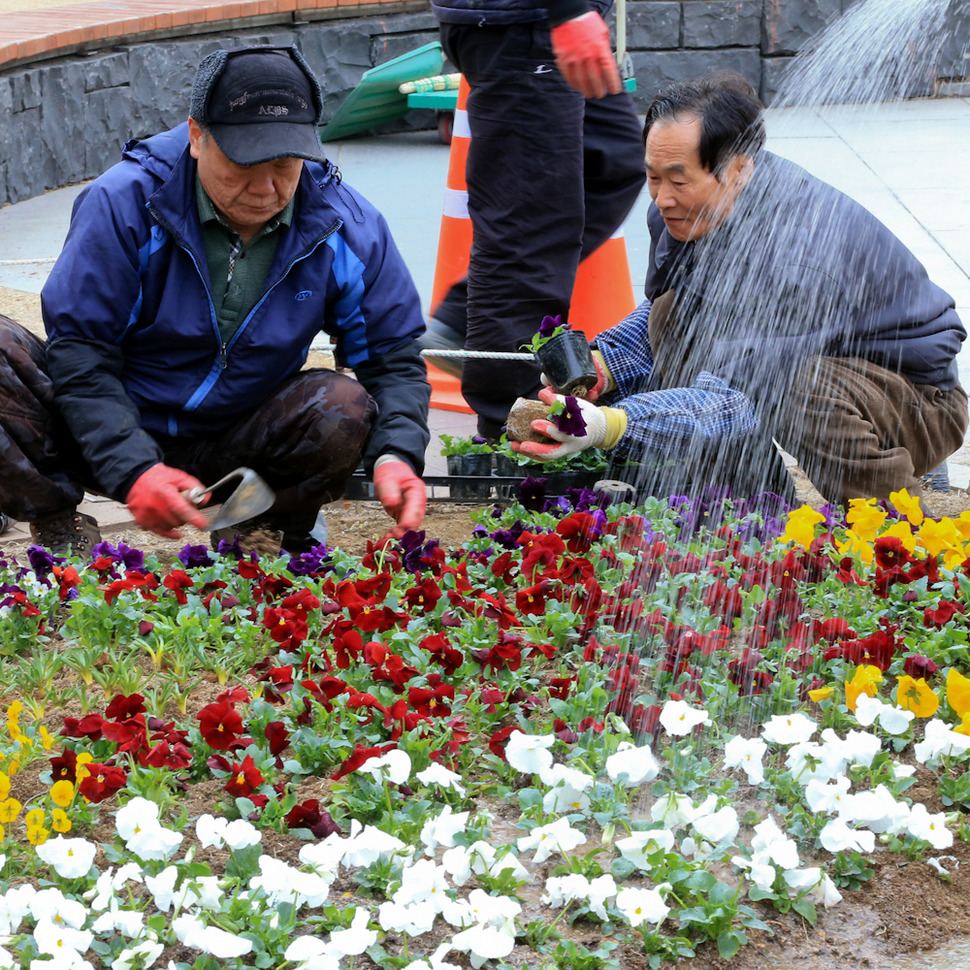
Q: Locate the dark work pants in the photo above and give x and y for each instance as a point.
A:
(858, 430)
(551, 176)
(305, 440)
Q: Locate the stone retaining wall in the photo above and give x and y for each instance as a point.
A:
(65, 118)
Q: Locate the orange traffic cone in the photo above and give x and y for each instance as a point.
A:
(602, 293)
(454, 248)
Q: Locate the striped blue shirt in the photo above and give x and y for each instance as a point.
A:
(710, 408)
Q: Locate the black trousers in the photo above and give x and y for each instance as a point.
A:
(551, 176)
(306, 439)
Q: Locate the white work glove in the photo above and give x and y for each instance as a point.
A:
(604, 428)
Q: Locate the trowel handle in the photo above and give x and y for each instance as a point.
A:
(196, 495)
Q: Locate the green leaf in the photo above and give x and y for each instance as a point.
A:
(729, 942)
(806, 909)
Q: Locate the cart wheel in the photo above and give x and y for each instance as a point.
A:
(446, 120)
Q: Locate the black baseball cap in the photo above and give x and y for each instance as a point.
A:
(259, 103)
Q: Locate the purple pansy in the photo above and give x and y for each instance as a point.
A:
(570, 420)
(548, 324)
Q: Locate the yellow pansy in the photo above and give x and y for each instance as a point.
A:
(13, 715)
(9, 810)
(13, 767)
(962, 525)
(4, 786)
(45, 738)
(821, 694)
(857, 547)
(865, 680)
(864, 518)
(958, 692)
(902, 532)
(59, 821)
(34, 818)
(800, 527)
(916, 696)
(37, 834)
(935, 537)
(907, 505)
(964, 726)
(62, 793)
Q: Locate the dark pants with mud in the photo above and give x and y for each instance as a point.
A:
(858, 430)
(551, 176)
(306, 440)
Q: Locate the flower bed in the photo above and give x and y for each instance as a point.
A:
(662, 724)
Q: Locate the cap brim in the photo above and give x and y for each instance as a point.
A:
(253, 144)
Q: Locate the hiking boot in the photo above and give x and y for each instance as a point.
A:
(66, 532)
(253, 535)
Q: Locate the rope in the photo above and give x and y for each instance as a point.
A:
(28, 262)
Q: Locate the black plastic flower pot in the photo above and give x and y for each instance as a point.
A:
(568, 363)
(469, 467)
(505, 467)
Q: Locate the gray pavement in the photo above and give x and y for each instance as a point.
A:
(905, 161)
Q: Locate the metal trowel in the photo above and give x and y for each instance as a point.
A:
(251, 497)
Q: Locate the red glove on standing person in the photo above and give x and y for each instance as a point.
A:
(157, 504)
(584, 55)
(402, 494)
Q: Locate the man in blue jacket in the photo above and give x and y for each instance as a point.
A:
(195, 274)
(780, 309)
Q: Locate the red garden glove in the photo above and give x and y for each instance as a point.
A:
(403, 495)
(584, 56)
(157, 504)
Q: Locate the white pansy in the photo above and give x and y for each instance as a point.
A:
(70, 858)
(14, 906)
(673, 809)
(827, 798)
(193, 932)
(241, 834)
(771, 842)
(529, 753)
(562, 890)
(509, 862)
(638, 845)
(939, 741)
(135, 815)
(836, 836)
(413, 918)
(679, 718)
(424, 882)
(437, 775)
(140, 955)
(601, 889)
(641, 906)
(560, 774)
(443, 829)
(930, 828)
(760, 870)
(892, 719)
(719, 826)
(371, 844)
(282, 883)
(126, 922)
(163, 890)
(788, 728)
(355, 939)
(393, 766)
(815, 884)
(154, 843)
(876, 809)
(483, 943)
(311, 953)
(65, 943)
(632, 765)
(806, 760)
(748, 755)
(499, 912)
(558, 836)
(864, 746)
(210, 830)
(324, 857)
(53, 905)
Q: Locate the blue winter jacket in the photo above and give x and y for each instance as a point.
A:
(133, 342)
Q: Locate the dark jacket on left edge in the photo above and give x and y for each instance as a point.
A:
(134, 346)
